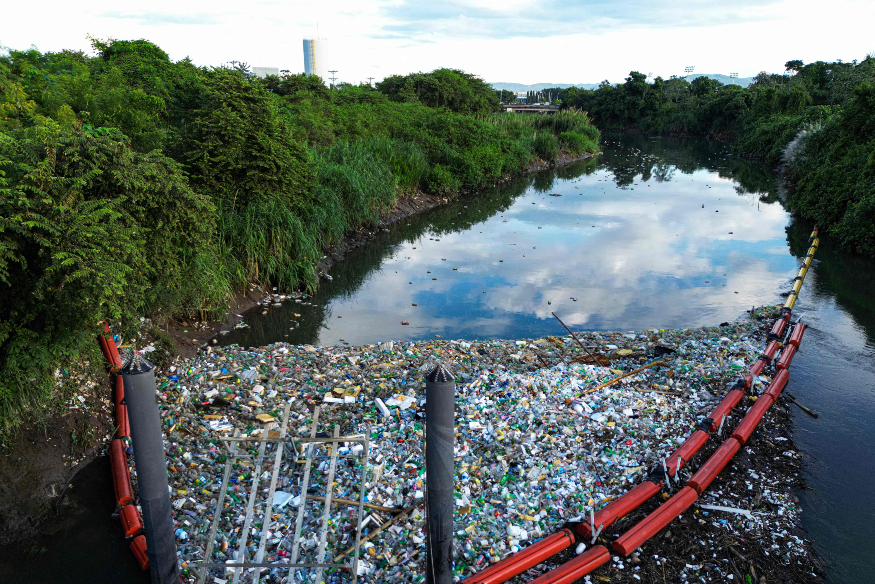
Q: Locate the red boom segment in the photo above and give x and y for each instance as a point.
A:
(778, 328)
(138, 546)
(687, 450)
(121, 475)
(653, 523)
(772, 349)
(119, 393)
(714, 465)
(619, 508)
(796, 335)
(577, 568)
(777, 385)
(524, 559)
(757, 368)
(723, 408)
(786, 357)
(121, 418)
(754, 415)
(132, 523)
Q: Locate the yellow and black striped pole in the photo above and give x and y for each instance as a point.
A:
(803, 270)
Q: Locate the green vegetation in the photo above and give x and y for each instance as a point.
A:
(131, 185)
(817, 119)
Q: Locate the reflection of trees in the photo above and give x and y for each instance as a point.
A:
(848, 278)
(641, 158)
(361, 263)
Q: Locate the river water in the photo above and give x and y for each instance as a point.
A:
(652, 233)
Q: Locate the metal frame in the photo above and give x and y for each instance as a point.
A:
(232, 443)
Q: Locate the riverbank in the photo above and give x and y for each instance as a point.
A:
(534, 447)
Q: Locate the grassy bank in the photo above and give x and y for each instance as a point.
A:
(132, 185)
(818, 120)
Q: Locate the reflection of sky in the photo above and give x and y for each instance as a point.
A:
(647, 255)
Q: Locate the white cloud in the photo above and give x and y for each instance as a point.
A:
(526, 42)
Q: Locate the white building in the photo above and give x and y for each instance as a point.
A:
(316, 58)
(265, 71)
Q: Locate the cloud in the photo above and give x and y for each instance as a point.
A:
(551, 18)
(162, 18)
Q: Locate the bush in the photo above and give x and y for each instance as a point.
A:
(440, 181)
(576, 143)
(546, 147)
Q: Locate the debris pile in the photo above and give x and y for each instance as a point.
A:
(537, 444)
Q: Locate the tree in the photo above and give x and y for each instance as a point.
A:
(451, 89)
(795, 66)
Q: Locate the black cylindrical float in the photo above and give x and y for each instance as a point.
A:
(440, 394)
(148, 442)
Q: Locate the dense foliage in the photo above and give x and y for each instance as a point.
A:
(131, 185)
(455, 90)
(817, 119)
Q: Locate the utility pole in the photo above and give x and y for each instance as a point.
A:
(333, 78)
(370, 81)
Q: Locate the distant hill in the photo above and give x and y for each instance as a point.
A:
(724, 79)
(521, 87)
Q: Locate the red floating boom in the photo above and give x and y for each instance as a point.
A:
(777, 385)
(630, 501)
(796, 335)
(686, 451)
(786, 357)
(714, 465)
(575, 569)
(121, 475)
(524, 559)
(132, 522)
(754, 415)
(138, 546)
(653, 523)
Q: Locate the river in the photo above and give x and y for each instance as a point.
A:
(652, 233)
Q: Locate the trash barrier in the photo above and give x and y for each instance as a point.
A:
(123, 429)
(526, 558)
(723, 410)
(688, 449)
(129, 514)
(619, 508)
(132, 521)
(121, 475)
(777, 385)
(752, 418)
(138, 547)
(573, 570)
(796, 335)
(655, 522)
(714, 465)
(681, 501)
(786, 357)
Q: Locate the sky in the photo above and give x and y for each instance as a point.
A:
(546, 41)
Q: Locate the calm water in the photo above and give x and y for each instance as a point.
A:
(654, 233)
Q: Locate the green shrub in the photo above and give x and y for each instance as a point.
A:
(576, 143)
(546, 147)
(440, 181)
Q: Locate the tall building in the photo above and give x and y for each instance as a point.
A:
(316, 58)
